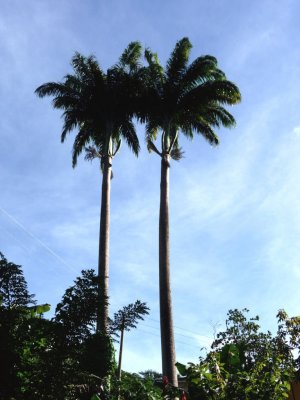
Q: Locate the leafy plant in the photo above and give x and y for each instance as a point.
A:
(245, 363)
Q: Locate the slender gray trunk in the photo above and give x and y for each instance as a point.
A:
(120, 353)
(103, 260)
(166, 319)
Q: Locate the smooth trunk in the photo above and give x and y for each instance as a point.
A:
(166, 319)
(103, 261)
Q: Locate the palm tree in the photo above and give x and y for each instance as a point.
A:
(188, 99)
(124, 320)
(100, 107)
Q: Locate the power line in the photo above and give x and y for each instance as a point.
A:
(183, 329)
(19, 242)
(176, 333)
(34, 237)
(177, 341)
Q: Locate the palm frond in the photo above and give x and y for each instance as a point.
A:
(177, 63)
(65, 102)
(116, 147)
(128, 133)
(73, 84)
(131, 56)
(83, 65)
(151, 130)
(151, 147)
(218, 116)
(70, 123)
(219, 91)
(203, 128)
(176, 153)
(155, 75)
(91, 153)
(81, 141)
(52, 89)
(185, 125)
(202, 69)
(152, 59)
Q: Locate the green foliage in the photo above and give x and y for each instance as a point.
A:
(52, 359)
(62, 358)
(89, 356)
(97, 356)
(14, 325)
(45, 358)
(246, 364)
(42, 369)
(13, 286)
(77, 311)
(38, 310)
(133, 387)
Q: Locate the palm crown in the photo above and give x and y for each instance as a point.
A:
(186, 98)
(99, 105)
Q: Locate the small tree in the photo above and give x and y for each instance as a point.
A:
(14, 300)
(13, 286)
(28, 367)
(245, 363)
(125, 320)
(77, 311)
(77, 316)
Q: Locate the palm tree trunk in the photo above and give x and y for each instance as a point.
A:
(166, 319)
(121, 353)
(103, 260)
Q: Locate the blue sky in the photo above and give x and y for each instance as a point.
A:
(235, 211)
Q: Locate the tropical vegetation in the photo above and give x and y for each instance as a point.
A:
(58, 358)
(245, 363)
(71, 356)
(63, 357)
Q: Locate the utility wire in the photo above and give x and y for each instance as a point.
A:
(19, 242)
(177, 341)
(183, 329)
(176, 333)
(34, 237)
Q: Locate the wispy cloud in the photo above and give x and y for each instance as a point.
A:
(234, 210)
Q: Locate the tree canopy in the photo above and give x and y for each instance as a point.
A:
(245, 363)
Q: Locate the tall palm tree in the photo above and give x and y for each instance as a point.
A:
(185, 99)
(100, 107)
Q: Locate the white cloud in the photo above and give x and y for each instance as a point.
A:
(296, 131)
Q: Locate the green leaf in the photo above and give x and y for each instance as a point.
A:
(95, 397)
(39, 309)
(42, 308)
(181, 368)
(208, 376)
(230, 354)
